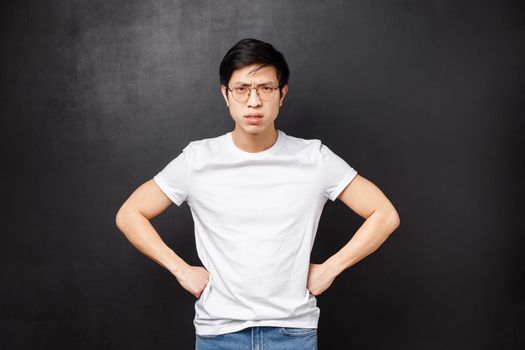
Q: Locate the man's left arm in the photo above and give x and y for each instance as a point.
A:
(381, 219)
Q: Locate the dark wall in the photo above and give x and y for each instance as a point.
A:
(424, 98)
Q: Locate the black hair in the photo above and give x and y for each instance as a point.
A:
(252, 51)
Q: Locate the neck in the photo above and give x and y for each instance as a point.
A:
(254, 142)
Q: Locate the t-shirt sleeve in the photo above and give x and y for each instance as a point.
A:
(337, 173)
(173, 180)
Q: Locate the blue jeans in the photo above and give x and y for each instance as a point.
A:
(260, 338)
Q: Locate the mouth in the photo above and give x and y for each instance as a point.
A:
(253, 115)
(254, 118)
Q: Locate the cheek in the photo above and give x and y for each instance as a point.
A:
(235, 110)
(275, 109)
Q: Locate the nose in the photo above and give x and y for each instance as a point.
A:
(253, 101)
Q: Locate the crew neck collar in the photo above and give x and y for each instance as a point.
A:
(254, 155)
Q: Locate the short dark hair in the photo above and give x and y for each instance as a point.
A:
(251, 51)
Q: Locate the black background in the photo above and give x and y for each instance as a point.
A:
(423, 98)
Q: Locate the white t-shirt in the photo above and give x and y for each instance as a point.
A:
(256, 217)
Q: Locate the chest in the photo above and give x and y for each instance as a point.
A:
(258, 194)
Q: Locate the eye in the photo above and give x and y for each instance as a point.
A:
(267, 89)
(240, 89)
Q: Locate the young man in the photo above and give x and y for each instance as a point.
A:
(256, 196)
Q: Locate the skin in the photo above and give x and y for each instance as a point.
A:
(361, 196)
(246, 136)
(381, 219)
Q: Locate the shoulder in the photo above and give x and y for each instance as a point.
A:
(298, 145)
(207, 146)
(310, 149)
(312, 145)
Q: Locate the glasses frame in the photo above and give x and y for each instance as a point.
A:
(256, 91)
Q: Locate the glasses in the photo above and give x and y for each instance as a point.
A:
(242, 93)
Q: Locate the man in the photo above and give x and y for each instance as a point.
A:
(256, 196)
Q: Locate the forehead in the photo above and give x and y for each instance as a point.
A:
(254, 74)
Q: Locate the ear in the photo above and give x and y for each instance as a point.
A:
(284, 92)
(224, 92)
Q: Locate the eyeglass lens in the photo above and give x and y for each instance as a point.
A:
(242, 93)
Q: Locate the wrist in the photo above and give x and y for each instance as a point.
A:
(333, 267)
(177, 268)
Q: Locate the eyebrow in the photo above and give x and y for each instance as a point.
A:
(240, 83)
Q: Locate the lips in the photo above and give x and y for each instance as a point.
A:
(253, 115)
(254, 118)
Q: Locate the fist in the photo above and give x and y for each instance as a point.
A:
(194, 279)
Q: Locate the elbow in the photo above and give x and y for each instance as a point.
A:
(120, 218)
(390, 219)
(126, 217)
(393, 220)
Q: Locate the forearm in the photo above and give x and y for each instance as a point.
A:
(143, 236)
(372, 233)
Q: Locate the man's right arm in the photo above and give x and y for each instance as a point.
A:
(133, 219)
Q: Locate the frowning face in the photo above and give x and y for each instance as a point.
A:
(264, 112)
